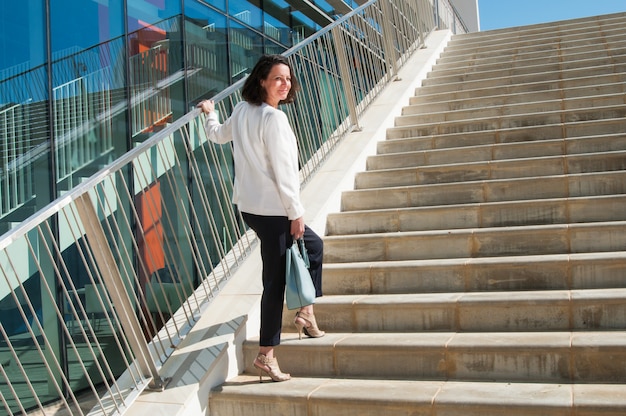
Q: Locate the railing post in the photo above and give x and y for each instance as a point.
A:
(388, 41)
(344, 72)
(117, 291)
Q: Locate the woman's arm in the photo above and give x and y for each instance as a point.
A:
(216, 132)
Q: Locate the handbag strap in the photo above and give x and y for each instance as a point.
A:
(303, 252)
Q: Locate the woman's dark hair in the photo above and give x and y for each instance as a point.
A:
(252, 90)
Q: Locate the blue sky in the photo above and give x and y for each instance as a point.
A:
(496, 14)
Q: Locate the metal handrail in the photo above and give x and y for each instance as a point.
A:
(451, 20)
(146, 243)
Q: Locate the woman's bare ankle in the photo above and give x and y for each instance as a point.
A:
(267, 351)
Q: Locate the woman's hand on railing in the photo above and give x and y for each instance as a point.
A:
(206, 106)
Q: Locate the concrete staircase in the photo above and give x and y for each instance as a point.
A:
(479, 265)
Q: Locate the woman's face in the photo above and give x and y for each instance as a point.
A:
(277, 84)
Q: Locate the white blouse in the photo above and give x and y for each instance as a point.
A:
(266, 159)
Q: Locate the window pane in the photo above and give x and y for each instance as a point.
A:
(303, 27)
(88, 92)
(24, 124)
(22, 36)
(246, 47)
(142, 13)
(277, 30)
(77, 25)
(248, 12)
(156, 65)
(218, 4)
(207, 52)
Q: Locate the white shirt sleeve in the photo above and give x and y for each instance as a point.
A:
(216, 132)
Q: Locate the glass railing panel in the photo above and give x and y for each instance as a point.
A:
(57, 338)
(166, 240)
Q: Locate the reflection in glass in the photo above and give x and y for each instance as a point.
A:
(206, 52)
(156, 77)
(246, 47)
(277, 31)
(24, 121)
(142, 13)
(247, 12)
(89, 108)
(88, 98)
(303, 27)
(156, 65)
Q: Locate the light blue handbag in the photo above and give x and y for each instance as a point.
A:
(299, 285)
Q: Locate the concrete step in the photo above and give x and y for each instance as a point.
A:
(450, 64)
(550, 357)
(418, 114)
(532, 72)
(540, 33)
(244, 396)
(479, 215)
(426, 156)
(514, 189)
(489, 170)
(520, 48)
(555, 76)
(477, 242)
(511, 41)
(502, 150)
(499, 86)
(579, 87)
(579, 97)
(521, 311)
(481, 274)
(519, 128)
(402, 138)
(530, 114)
(567, 58)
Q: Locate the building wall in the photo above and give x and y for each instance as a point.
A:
(468, 9)
(70, 78)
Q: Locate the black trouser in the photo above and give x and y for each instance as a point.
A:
(275, 236)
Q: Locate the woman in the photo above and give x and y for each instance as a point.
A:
(267, 193)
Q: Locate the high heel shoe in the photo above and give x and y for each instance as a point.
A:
(270, 367)
(306, 322)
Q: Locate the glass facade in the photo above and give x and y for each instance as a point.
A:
(82, 82)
